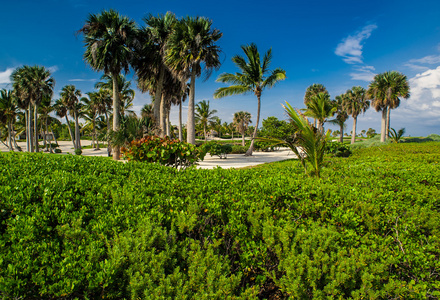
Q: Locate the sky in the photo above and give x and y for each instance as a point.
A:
(338, 43)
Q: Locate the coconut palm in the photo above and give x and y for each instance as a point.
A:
(109, 39)
(44, 111)
(103, 104)
(70, 98)
(320, 107)
(90, 113)
(385, 92)
(8, 112)
(204, 115)
(242, 119)
(191, 50)
(254, 77)
(355, 103)
(62, 111)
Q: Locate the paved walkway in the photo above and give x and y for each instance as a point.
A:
(233, 160)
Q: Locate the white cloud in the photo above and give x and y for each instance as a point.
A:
(424, 103)
(416, 67)
(364, 73)
(53, 69)
(430, 60)
(5, 76)
(350, 48)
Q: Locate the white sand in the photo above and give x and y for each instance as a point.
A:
(232, 161)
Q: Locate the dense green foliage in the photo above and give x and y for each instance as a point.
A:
(164, 151)
(219, 149)
(88, 227)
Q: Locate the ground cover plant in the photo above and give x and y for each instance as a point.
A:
(87, 228)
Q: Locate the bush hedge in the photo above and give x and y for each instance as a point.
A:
(77, 227)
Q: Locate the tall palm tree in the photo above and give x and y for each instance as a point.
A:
(204, 115)
(103, 104)
(385, 91)
(341, 115)
(33, 83)
(355, 103)
(62, 111)
(191, 46)
(126, 93)
(242, 119)
(158, 32)
(90, 113)
(44, 110)
(320, 108)
(8, 111)
(254, 77)
(70, 97)
(109, 39)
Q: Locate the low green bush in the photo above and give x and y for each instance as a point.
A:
(78, 151)
(215, 148)
(338, 149)
(239, 149)
(88, 228)
(164, 151)
(56, 150)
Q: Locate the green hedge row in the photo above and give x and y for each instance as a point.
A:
(87, 228)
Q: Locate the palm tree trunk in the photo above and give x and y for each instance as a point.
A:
(10, 135)
(94, 134)
(162, 117)
(36, 128)
(158, 97)
(387, 132)
(251, 148)
(341, 137)
(353, 134)
(383, 125)
(31, 139)
(167, 120)
(70, 132)
(204, 131)
(77, 133)
(116, 111)
(26, 121)
(53, 135)
(109, 149)
(180, 121)
(242, 140)
(15, 141)
(46, 131)
(190, 124)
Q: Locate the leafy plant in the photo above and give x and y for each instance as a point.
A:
(164, 151)
(219, 149)
(78, 151)
(396, 136)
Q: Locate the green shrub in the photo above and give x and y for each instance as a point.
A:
(57, 150)
(338, 149)
(219, 149)
(78, 151)
(239, 149)
(88, 228)
(164, 151)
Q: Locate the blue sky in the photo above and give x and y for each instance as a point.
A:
(337, 43)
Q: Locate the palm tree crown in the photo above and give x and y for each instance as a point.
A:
(355, 103)
(385, 90)
(204, 115)
(254, 76)
(241, 121)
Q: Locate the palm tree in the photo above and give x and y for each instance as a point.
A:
(109, 40)
(33, 83)
(44, 110)
(62, 111)
(341, 116)
(255, 76)
(126, 94)
(8, 112)
(242, 119)
(320, 107)
(314, 90)
(192, 44)
(158, 32)
(355, 103)
(204, 115)
(385, 90)
(103, 104)
(90, 113)
(70, 97)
